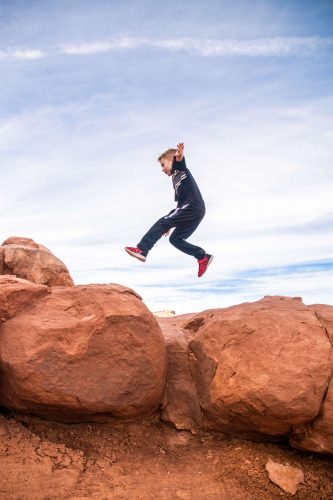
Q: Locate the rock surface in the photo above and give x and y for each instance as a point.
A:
(144, 461)
(261, 368)
(24, 258)
(79, 353)
(286, 477)
(46, 469)
(318, 434)
(16, 294)
(181, 404)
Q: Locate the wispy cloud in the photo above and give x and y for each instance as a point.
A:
(251, 48)
(21, 54)
(104, 46)
(262, 47)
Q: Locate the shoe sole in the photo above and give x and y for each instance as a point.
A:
(138, 256)
(209, 262)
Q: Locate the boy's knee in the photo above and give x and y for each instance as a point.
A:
(173, 239)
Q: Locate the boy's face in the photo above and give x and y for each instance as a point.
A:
(166, 164)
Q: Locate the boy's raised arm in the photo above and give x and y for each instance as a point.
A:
(180, 151)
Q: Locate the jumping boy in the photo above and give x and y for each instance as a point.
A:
(185, 218)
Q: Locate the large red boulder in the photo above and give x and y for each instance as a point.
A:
(79, 353)
(24, 258)
(261, 369)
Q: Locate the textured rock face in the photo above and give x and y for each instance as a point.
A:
(16, 294)
(181, 404)
(26, 259)
(80, 353)
(2, 261)
(262, 368)
(318, 434)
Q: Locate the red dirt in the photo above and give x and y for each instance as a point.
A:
(48, 460)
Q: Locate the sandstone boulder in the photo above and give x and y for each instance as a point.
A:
(26, 259)
(17, 294)
(318, 434)
(261, 369)
(80, 353)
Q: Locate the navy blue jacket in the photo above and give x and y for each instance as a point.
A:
(186, 189)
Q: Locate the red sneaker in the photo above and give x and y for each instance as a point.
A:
(204, 263)
(136, 252)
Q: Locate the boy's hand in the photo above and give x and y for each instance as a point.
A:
(180, 151)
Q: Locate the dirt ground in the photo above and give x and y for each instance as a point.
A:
(49, 460)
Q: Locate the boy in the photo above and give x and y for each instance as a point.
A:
(185, 218)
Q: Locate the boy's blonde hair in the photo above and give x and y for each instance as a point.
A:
(169, 153)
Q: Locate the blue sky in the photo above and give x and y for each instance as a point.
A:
(91, 92)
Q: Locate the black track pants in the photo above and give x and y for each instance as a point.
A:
(185, 220)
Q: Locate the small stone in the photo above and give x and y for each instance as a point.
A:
(285, 476)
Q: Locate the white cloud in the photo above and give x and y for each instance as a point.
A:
(103, 46)
(205, 47)
(260, 47)
(264, 47)
(21, 54)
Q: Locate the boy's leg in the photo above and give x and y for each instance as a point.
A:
(186, 225)
(186, 219)
(181, 233)
(155, 233)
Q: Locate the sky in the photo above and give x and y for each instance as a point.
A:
(92, 91)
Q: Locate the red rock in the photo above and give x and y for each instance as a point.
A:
(324, 314)
(82, 353)
(318, 434)
(26, 259)
(181, 404)
(2, 261)
(261, 368)
(17, 294)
